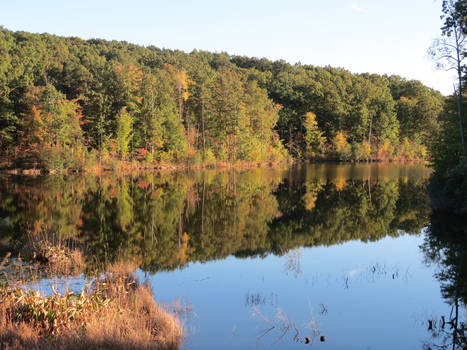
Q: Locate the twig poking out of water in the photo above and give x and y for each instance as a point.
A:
(346, 282)
(284, 322)
(312, 325)
(255, 299)
(258, 313)
(324, 309)
(293, 262)
(281, 325)
(182, 310)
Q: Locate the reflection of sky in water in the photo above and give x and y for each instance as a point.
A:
(361, 296)
(62, 284)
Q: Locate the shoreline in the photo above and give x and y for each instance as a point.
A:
(124, 167)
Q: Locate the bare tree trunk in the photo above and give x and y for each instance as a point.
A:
(202, 206)
(202, 126)
(369, 132)
(180, 229)
(152, 214)
(459, 76)
(180, 102)
(153, 117)
(459, 115)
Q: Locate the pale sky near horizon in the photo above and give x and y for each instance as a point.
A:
(376, 36)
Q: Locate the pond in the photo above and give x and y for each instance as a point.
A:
(329, 256)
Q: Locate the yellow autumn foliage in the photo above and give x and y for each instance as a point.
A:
(341, 146)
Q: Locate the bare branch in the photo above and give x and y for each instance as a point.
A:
(450, 45)
(445, 57)
(462, 40)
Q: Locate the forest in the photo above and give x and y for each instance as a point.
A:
(68, 103)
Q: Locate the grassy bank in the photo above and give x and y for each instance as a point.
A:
(134, 167)
(113, 311)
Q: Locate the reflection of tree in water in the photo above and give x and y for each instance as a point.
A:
(164, 222)
(445, 245)
(319, 212)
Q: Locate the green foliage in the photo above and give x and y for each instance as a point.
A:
(51, 134)
(361, 151)
(91, 159)
(209, 158)
(418, 109)
(75, 94)
(363, 106)
(123, 134)
(447, 149)
(149, 158)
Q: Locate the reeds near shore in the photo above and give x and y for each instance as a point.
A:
(113, 312)
(58, 259)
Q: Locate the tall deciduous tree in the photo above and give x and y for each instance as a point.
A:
(314, 137)
(202, 76)
(53, 124)
(124, 133)
(449, 51)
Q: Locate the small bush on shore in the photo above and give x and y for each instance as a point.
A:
(448, 191)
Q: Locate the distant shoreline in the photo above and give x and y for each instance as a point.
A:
(124, 167)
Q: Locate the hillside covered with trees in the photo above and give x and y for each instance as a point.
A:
(73, 103)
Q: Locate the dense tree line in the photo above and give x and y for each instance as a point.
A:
(69, 103)
(357, 116)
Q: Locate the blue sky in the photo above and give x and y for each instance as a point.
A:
(376, 36)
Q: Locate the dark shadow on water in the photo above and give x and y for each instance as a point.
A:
(445, 246)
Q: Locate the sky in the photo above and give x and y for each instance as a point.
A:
(375, 36)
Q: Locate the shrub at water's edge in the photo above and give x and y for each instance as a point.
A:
(448, 192)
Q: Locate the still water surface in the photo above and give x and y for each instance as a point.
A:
(263, 258)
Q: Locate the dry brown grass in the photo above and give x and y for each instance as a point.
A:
(122, 267)
(113, 313)
(59, 259)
